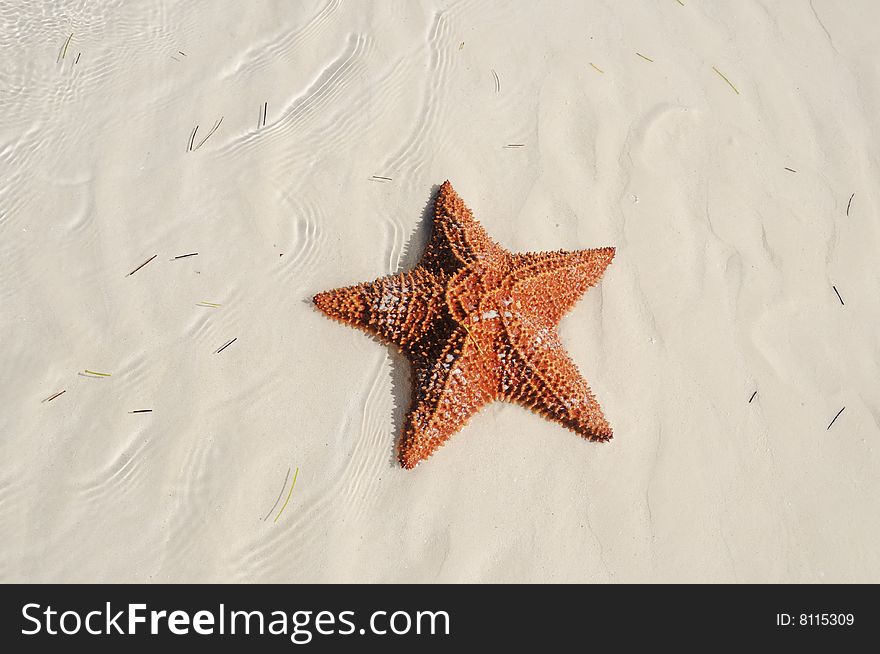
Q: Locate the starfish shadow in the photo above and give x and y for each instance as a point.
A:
(418, 239)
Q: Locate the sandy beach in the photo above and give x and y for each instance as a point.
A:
(181, 178)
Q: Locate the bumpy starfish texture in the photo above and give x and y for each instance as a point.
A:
(478, 324)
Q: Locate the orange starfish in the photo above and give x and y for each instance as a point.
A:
(478, 324)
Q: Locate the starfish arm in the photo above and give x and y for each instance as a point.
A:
(399, 309)
(542, 377)
(457, 240)
(450, 387)
(549, 284)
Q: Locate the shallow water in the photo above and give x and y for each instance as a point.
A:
(339, 120)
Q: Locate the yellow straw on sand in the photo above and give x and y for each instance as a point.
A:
(726, 80)
(288, 496)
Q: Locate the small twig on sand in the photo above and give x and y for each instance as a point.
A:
(835, 418)
(838, 295)
(752, 397)
(849, 204)
(293, 483)
(280, 493)
(213, 129)
(227, 345)
(97, 374)
(49, 399)
(64, 49)
(142, 265)
(724, 77)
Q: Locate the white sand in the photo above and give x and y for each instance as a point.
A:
(722, 286)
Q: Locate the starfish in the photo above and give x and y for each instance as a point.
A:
(478, 324)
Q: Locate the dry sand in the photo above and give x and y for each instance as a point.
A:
(722, 286)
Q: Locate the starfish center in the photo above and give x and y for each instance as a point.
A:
(476, 294)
